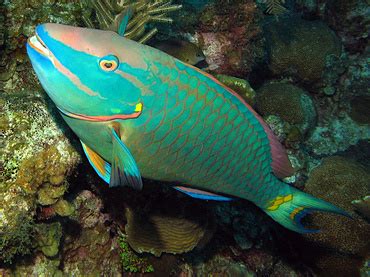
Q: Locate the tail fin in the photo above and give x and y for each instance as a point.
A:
(289, 208)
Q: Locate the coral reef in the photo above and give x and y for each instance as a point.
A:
(338, 134)
(2, 25)
(340, 180)
(290, 103)
(36, 156)
(299, 48)
(176, 230)
(350, 18)
(16, 233)
(21, 18)
(36, 159)
(218, 266)
(363, 206)
(365, 270)
(230, 37)
(88, 239)
(109, 16)
(42, 266)
(131, 262)
(63, 208)
(48, 238)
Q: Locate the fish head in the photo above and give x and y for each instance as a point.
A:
(89, 74)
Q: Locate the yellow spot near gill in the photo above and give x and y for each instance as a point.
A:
(295, 212)
(139, 107)
(279, 200)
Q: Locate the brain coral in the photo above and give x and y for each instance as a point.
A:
(175, 231)
(345, 241)
(299, 48)
(287, 101)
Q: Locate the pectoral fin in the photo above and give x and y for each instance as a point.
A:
(124, 170)
(205, 195)
(101, 167)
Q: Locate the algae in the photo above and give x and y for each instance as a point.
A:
(131, 262)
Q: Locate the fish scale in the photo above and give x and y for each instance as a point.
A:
(140, 112)
(207, 170)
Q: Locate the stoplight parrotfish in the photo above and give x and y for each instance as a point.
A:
(141, 112)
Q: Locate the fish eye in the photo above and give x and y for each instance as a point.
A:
(109, 63)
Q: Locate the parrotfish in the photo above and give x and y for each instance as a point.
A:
(140, 112)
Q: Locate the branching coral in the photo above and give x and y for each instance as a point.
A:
(109, 14)
(275, 7)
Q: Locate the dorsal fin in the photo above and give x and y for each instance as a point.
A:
(280, 165)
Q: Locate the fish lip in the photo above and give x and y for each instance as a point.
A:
(36, 43)
(99, 118)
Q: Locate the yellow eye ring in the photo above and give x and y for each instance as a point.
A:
(108, 63)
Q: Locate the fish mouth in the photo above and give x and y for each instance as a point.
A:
(101, 118)
(38, 45)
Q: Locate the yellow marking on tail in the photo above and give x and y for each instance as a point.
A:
(295, 212)
(279, 200)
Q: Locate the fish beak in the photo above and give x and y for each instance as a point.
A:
(37, 44)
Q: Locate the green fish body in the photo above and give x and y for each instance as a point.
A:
(140, 112)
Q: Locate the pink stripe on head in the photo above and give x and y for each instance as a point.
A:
(72, 77)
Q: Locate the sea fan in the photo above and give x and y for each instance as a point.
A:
(275, 7)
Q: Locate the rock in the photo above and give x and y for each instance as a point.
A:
(365, 270)
(336, 134)
(40, 266)
(299, 48)
(350, 18)
(360, 111)
(218, 266)
(290, 103)
(363, 206)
